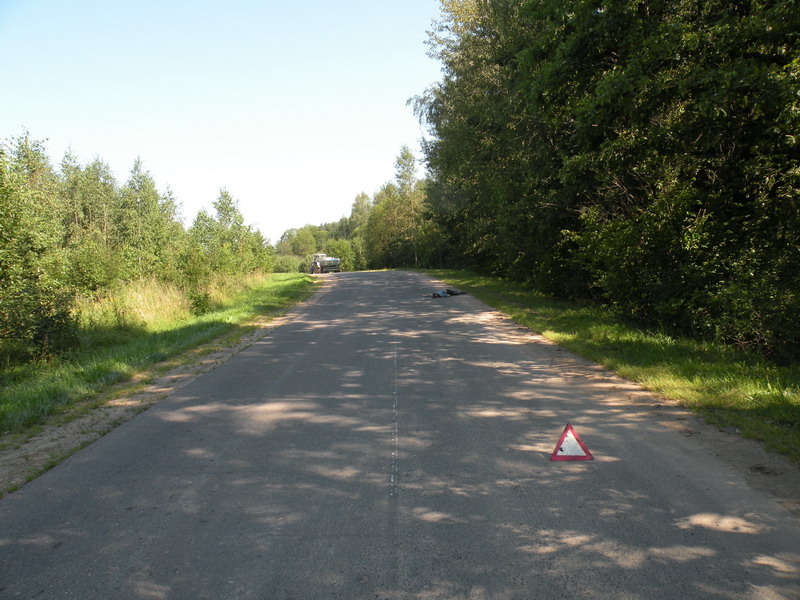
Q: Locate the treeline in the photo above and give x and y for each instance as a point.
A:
(642, 154)
(639, 154)
(391, 229)
(76, 232)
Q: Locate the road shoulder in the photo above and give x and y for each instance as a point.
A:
(26, 455)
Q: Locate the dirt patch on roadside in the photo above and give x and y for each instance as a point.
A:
(24, 456)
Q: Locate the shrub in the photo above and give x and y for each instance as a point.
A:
(285, 263)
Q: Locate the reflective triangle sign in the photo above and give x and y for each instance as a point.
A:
(570, 447)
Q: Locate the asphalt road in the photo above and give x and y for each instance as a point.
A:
(386, 446)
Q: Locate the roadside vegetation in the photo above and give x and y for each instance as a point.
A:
(634, 163)
(392, 228)
(143, 324)
(634, 154)
(729, 387)
(641, 157)
(100, 279)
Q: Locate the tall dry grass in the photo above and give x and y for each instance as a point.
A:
(136, 326)
(149, 304)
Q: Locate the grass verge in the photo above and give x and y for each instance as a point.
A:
(111, 355)
(727, 387)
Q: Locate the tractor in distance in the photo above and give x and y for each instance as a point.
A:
(323, 263)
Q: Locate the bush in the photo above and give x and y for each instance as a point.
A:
(285, 263)
(36, 320)
(200, 302)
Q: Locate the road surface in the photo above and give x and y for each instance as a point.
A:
(387, 446)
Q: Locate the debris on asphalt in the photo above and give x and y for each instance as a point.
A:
(446, 293)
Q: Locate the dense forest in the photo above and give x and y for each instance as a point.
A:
(643, 155)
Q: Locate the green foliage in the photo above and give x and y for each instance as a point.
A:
(142, 225)
(343, 249)
(304, 242)
(393, 229)
(359, 216)
(222, 245)
(360, 261)
(35, 319)
(76, 234)
(285, 263)
(640, 154)
(90, 200)
(144, 323)
(405, 170)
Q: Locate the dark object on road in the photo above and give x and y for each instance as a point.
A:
(446, 293)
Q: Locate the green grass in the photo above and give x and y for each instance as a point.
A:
(112, 354)
(728, 387)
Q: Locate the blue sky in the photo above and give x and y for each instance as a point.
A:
(294, 107)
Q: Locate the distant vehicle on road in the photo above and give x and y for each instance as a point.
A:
(326, 264)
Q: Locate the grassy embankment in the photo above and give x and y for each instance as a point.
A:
(145, 323)
(728, 387)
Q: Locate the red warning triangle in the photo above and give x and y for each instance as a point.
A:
(570, 447)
